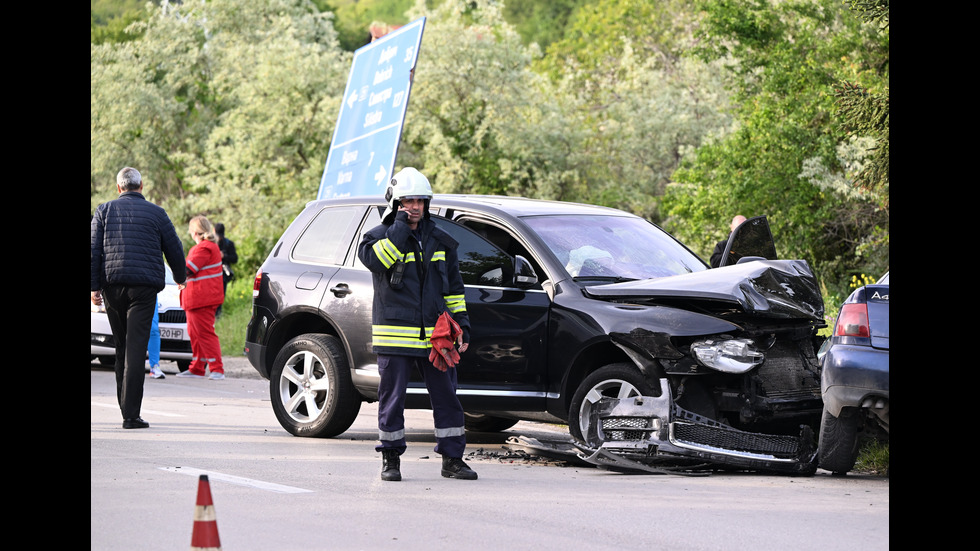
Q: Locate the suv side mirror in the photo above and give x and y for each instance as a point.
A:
(524, 275)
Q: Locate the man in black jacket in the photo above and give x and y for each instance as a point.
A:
(130, 238)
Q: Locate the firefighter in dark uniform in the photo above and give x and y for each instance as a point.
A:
(416, 278)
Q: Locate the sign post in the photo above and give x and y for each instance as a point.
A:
(369, 127)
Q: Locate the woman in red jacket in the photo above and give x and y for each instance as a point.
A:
(200, 299)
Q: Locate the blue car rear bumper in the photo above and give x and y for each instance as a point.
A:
(851, 375)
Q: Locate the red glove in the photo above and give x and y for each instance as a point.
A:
(443, 354)
(443, 357)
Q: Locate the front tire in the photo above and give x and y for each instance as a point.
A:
(837, 447)
(311, 389)
(619, 380)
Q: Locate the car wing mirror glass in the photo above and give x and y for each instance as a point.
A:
(524, 274)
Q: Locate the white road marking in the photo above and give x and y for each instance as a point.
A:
(142, 411)
(272, 487)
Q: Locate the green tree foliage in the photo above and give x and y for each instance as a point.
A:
(600, 30)
(644, 101)
(542, 21)
(111, 17)
(480, 120)
(785, 60)
(147, 107)
(537, 21)
(227, 107)
(354, 18)
(864, 112)
(644, 116)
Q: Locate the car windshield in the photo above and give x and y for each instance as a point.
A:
(169, 275)
(614, 248)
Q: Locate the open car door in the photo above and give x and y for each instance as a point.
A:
(751, 240)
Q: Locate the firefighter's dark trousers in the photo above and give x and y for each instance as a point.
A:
(447, 413)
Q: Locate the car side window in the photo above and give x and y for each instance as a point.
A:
(480, 261)
(506, 242)
(372, 219)
(327, 239)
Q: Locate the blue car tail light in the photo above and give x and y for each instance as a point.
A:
(853, 321)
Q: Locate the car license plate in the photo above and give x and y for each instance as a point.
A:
(171, 334)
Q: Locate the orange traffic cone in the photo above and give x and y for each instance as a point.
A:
(205, 536)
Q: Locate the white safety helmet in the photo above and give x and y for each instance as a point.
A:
(407, 183)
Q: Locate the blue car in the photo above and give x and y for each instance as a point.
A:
(854, 378)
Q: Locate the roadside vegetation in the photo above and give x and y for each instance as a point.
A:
(686, 112)
(235, 313)
(873, 458)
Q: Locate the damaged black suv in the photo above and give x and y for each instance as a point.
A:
(581, 314)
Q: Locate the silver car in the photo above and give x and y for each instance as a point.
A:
(175, 343)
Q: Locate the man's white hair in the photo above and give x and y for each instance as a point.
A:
(129, 179)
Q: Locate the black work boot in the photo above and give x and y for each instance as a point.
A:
(453, 467)
(390, 465)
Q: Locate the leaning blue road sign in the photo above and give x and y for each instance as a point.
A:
(365, 140)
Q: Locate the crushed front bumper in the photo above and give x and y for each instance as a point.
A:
(645, 431)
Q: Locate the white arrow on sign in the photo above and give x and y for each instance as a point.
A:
(351, 99)
(380, 176)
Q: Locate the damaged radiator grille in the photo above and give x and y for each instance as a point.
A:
(733, 439)
(790, 371)
(627, 428)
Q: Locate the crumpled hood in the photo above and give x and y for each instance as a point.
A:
(776, 288)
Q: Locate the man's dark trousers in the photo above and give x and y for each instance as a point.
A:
(130, 313)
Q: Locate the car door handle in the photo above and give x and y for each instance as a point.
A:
(341, 290)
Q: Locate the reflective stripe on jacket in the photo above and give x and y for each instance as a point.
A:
(205, 286)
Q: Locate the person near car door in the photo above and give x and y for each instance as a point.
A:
(719, 251)
(130, 239)
(200, 300)
(415, 272)
(229, 256)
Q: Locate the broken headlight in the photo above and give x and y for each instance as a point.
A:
(728, 355)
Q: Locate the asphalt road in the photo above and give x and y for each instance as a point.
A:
(271, 490)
